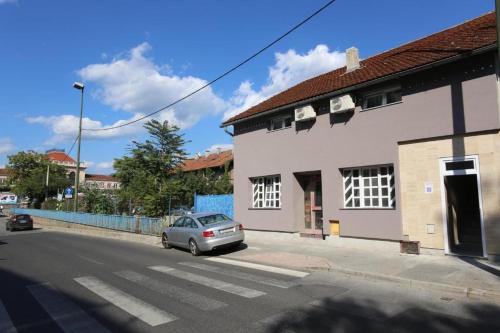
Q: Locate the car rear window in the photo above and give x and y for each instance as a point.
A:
(212, 219)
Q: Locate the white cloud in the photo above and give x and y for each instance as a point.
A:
(103, 167)
(221, 146)
(2, 2)
(135, 84)
(289, 69)
(6, 145)
(65, 127)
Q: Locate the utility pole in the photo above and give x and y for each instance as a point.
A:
(47, 183)
(79, 86)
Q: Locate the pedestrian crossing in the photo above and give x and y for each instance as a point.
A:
(162, 280)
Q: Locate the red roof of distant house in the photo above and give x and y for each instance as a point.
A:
(59, 156)
(460, 39)
(210, 161)
(104, 178)
(3, 172)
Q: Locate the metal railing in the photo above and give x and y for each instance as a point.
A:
(136, 224)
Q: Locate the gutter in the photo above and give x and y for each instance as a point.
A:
(457, 57)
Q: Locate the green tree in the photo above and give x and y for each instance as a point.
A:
(98, 201)
(28, 172)
(147, 174)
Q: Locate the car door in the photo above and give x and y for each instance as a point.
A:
(188, 229)
(175, 230)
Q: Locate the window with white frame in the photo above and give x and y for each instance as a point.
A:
(266, 192)
(280, 123)
(369, 187)
(383, 97)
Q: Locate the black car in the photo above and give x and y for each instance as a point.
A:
(19, 221)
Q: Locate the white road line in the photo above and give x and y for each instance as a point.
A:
(182, 295)
(6, 324)
(240, 275)
(208, 282)
(272, 269)
(69, 316)
(91, 260)
(134, 306)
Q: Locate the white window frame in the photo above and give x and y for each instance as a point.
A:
(282, 119)
(383, 93)
(266, 192)
(371, 184)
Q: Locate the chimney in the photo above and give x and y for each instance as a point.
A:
(219, 150)
(352, 59)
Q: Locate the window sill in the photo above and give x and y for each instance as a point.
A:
(279, 129)
(380, 106)
(369, 208)
(264, 208)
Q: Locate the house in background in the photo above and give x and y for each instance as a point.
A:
(59, 157)
(4, 175)
(103, 182)
(220, 163)
(404, 145)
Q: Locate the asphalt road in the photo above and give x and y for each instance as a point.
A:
(60, 282)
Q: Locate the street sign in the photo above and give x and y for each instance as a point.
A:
(68, 193)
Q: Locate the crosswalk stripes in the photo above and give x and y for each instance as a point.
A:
(240, 275)
(69, 316)
(208, 282)
(179, 294)
(134, 306)
(272, 269)
(6, 324)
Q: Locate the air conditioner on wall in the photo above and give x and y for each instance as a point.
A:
(341, 104)
(305, 113)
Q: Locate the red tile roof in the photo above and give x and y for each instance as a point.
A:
(3, 172)
(104, 178)
(463, 38)
(210, 161)
(59, 156)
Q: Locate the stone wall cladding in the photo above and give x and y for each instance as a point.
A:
(419, 164)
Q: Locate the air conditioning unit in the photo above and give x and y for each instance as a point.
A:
(341, 104)
(305, 113)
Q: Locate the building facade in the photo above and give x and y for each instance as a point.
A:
(102, 182)
(404, 145)
(59, 157)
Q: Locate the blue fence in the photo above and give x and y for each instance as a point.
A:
(143, 225)
(214, 203)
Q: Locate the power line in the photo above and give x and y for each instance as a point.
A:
(232, 69)
(73, 145)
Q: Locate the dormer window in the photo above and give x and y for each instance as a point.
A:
(382, 97)
(280, 123)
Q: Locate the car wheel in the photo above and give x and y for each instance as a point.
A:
(193, 247)
(164, 241)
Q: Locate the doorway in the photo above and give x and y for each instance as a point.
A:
(462, 206)
(313, 202)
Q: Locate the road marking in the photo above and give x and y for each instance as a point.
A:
(272, 269)
(208, 282)
(6, 324)
(69, 316)
(91, 260)
(240, 275)
(185, 296)
(134, 306)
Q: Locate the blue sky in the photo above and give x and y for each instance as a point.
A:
(136, 56)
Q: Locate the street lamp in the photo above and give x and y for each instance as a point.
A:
(79, 86)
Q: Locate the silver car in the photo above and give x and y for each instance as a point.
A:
(203, 232)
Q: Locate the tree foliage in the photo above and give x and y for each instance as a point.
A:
(151, 175)
(28, 172)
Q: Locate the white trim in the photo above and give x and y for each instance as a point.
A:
(272, 269)
(443, 173)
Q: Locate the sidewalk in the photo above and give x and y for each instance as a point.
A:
(468, 276)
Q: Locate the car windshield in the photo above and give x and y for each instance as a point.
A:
(212, 219)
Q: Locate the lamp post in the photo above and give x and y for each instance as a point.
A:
(79, 86)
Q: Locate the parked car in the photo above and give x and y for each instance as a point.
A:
(203, 232)
(19, 221)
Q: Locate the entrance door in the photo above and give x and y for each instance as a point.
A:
(313, 209)
(462, 207)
